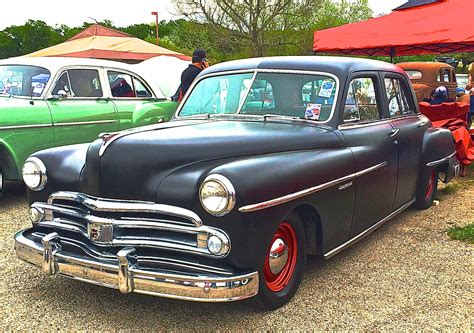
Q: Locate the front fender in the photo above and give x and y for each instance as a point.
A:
(263, 178)
(8, 162)
(63, 169)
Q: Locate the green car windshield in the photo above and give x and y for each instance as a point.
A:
(305, 96)
(24, 81)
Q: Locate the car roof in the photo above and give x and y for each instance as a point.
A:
(336, 65)
(56, 63)
(423, 65)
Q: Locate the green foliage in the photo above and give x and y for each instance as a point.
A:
(465, 234)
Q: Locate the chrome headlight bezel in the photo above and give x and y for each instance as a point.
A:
(229, 190)
(40, 171)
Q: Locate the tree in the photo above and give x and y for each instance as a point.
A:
(250, 20)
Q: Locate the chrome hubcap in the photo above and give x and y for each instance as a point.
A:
(278, 256)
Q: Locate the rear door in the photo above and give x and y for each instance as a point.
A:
(135, 103)
(370, 137)
(79, 107)
(410, 126)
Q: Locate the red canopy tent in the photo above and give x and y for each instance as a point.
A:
(444, 26)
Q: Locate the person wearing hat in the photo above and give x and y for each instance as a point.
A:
(199, 62)
(440, 95)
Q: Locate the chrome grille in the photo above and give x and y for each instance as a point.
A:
(108, 222)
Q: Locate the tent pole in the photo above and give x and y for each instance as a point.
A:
(392, 54)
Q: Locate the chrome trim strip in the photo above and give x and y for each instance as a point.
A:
(444, 159)
(349, 125)
(80, 123)
(367, 231)
(25, 126)
(262, 70)
(156, 260)
(126, 274)
(308, 191)
(111, 205)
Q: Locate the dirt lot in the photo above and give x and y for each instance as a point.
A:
(406, 275)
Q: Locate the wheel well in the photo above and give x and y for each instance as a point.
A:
(7, 164)
(312, 223)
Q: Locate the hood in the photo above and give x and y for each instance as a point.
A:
(133, 166)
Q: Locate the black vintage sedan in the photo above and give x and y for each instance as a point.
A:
(266, 161)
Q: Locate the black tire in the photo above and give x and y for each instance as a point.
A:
(1, 183)
(427, 188)
(272, 299)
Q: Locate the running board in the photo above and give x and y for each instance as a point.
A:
(367, 231)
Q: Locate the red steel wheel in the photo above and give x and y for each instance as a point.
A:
(281, 258)
(431, 185)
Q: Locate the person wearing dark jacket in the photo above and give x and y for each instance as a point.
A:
(199, 62)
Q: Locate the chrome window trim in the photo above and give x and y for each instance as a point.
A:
(256, 71)
(308, 191)
(437, 162)
(360, 125)
(367, 231)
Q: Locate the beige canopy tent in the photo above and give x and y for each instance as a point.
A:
(104, 43)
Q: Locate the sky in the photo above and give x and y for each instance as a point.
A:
(121, 12)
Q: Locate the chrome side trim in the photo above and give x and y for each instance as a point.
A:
(308, 191)
(80, 123)
(437, 162)
(349, 125)
(111, 205)
(25, 126)
(126, 274)
(367, 231)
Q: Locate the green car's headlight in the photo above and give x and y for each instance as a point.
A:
(34, 174)
(217, 195)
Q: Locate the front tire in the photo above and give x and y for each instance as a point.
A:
(283, 266)
(427, 189)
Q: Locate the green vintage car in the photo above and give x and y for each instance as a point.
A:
(50, 102)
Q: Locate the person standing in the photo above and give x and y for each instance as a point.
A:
(199, 63)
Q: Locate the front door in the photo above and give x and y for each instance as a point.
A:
(371, 139)
(78, 107)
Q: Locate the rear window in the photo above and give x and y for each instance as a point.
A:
(414, 75)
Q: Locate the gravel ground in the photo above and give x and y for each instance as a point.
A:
(406, 275)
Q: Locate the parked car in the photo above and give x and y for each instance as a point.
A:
(49, 102)
(226, 201)
(427, 76)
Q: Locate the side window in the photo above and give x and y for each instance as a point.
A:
(361, 101)
(85, 83)
(140, 89)
(63, 85)
(121, 84)
(396, 91)
(445, 76)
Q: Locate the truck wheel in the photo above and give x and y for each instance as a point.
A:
(427, 189)
(283, 266)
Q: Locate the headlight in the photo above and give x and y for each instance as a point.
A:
(34, 174)
(217, 195)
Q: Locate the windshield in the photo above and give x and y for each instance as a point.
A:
(286, 94)
(26, 81)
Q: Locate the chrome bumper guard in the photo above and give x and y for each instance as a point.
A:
(127, 276)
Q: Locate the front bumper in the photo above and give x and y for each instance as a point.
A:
(126, 273)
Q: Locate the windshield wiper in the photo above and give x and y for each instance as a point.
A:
(271, 115)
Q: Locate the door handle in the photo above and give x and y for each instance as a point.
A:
(393, 132)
